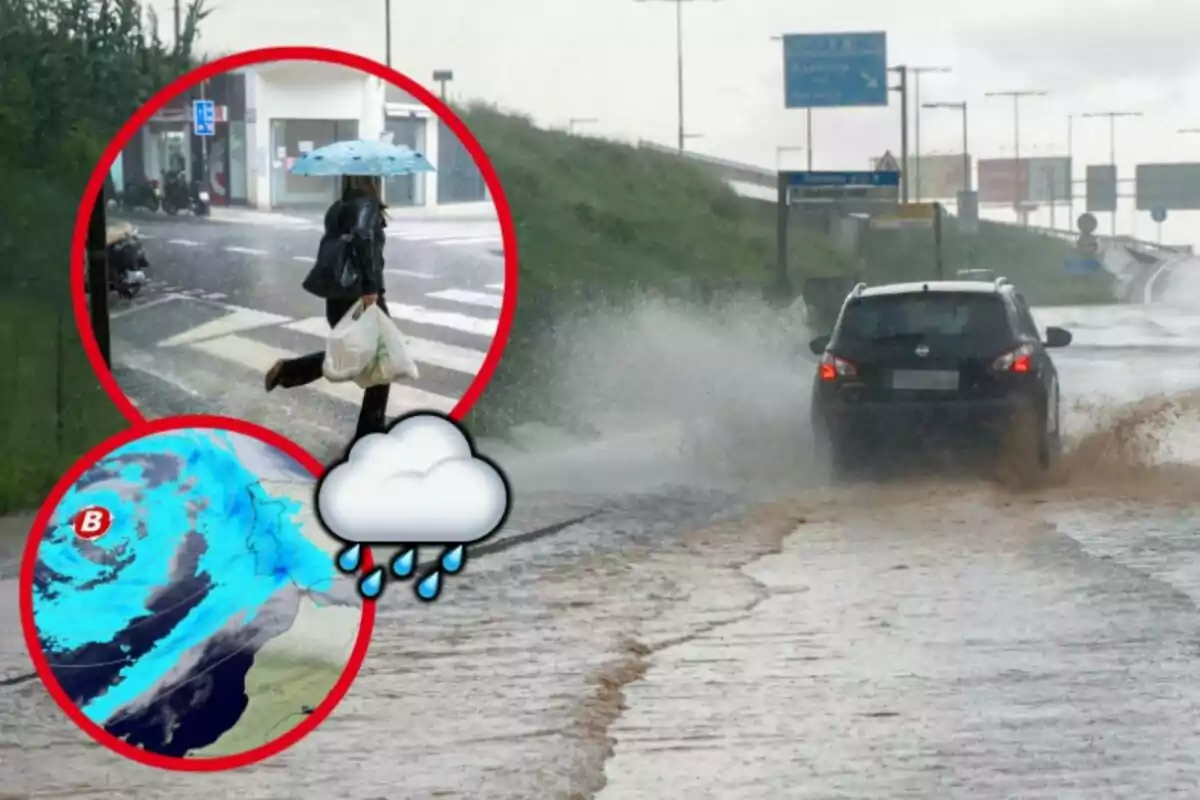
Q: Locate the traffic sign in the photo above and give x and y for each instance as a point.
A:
(1102, 187)
(204, 118)
(835, 70)
(1087, 222)
(1158, 214)
(907, 215)
(1171, 186)
(810, 179)
(1083, 266)
(887, 163)
(839, 186)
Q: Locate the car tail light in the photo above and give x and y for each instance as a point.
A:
(833, 367)
(1019, 360)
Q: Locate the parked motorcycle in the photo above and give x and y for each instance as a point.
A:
(140, 193)
(127, 263)
(181, 195)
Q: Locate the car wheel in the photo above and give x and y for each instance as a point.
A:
(1026, 449)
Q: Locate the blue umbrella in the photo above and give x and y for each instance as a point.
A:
(361, 157)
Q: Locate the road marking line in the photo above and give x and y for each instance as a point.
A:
(259, 357)
(444, 319)
(408, 273)
(499, 287)
(470, 298)
(158, 301)
(215, 296)
(241, 319)
(183, 242)
(250, 251)
(470, 241)
(305, 259)
(438, 354)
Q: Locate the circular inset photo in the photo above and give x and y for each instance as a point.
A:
(182, 604)
(297, 236)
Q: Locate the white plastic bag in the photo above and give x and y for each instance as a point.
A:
(391, 362)
(351, 345)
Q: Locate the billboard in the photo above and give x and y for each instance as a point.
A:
(1101, 187)
(1173, 187)
(1003, 180)
(1049, 180)
(941, 176)
(1038, 180)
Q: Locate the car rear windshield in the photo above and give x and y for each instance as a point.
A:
(925, 315)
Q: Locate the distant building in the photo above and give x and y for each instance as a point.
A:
(269, 114)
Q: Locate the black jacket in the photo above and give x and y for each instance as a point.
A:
(362, 218)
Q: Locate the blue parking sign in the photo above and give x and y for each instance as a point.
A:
(204, 117)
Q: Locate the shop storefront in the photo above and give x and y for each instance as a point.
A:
(297, 106)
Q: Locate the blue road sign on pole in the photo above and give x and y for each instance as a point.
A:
(835, 70)
(1083, 266)
(817, 179)
(204, 117)
(1158, 214)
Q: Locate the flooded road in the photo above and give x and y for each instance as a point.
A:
(701, 637)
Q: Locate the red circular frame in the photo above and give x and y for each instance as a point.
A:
(40, 663)
(249, 58)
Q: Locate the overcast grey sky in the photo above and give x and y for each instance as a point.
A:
(615, 60)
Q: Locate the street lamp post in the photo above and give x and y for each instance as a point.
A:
(966, 153)
(1112, 144)
(681, 135)
(1016, 173)
(441, 77)
(807, 126)
(387, 32)
(917, 72)
(902, 89)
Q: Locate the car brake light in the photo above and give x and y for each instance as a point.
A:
(1019, 360)
(833, 367)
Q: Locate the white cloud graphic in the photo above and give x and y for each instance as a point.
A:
(419, 483)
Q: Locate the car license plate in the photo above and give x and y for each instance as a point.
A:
(925, 380)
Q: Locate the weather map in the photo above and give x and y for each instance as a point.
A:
(185, 598)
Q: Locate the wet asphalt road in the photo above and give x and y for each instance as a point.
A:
(225, 302)
(945, 638)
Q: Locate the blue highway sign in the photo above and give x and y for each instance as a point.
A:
(1158, 214)
(204, 117)
(835, 70)
(835, 179)
(1083, 266)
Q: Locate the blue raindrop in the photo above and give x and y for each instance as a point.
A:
(371, 585)
(452, 560)
(429, 587)
(349, 559)
(404, 563)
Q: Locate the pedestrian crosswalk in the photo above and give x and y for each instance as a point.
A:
(213, 354)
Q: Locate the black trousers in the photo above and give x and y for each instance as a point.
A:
(306, 369)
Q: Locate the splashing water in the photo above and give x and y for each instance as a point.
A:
(370, 585)
(404, 563)
(453, 559)
(349, 559)
(429, 587)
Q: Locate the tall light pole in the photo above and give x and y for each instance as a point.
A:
(574, 122)
(441, 77)
(682, 136)
(807, 126)
(1016, 172)
(387, 32)
(966, 153)
(1112, 144)
(1070, 170)
(902, 89)
(917, 72)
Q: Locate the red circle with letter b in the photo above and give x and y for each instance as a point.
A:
(92, 522)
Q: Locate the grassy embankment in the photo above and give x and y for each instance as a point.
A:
(602, 222)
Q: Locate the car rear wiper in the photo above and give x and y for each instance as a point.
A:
(896, 337)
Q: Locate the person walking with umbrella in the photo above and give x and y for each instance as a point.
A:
(349, 268)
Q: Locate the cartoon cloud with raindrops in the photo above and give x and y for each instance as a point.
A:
(420, 485)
